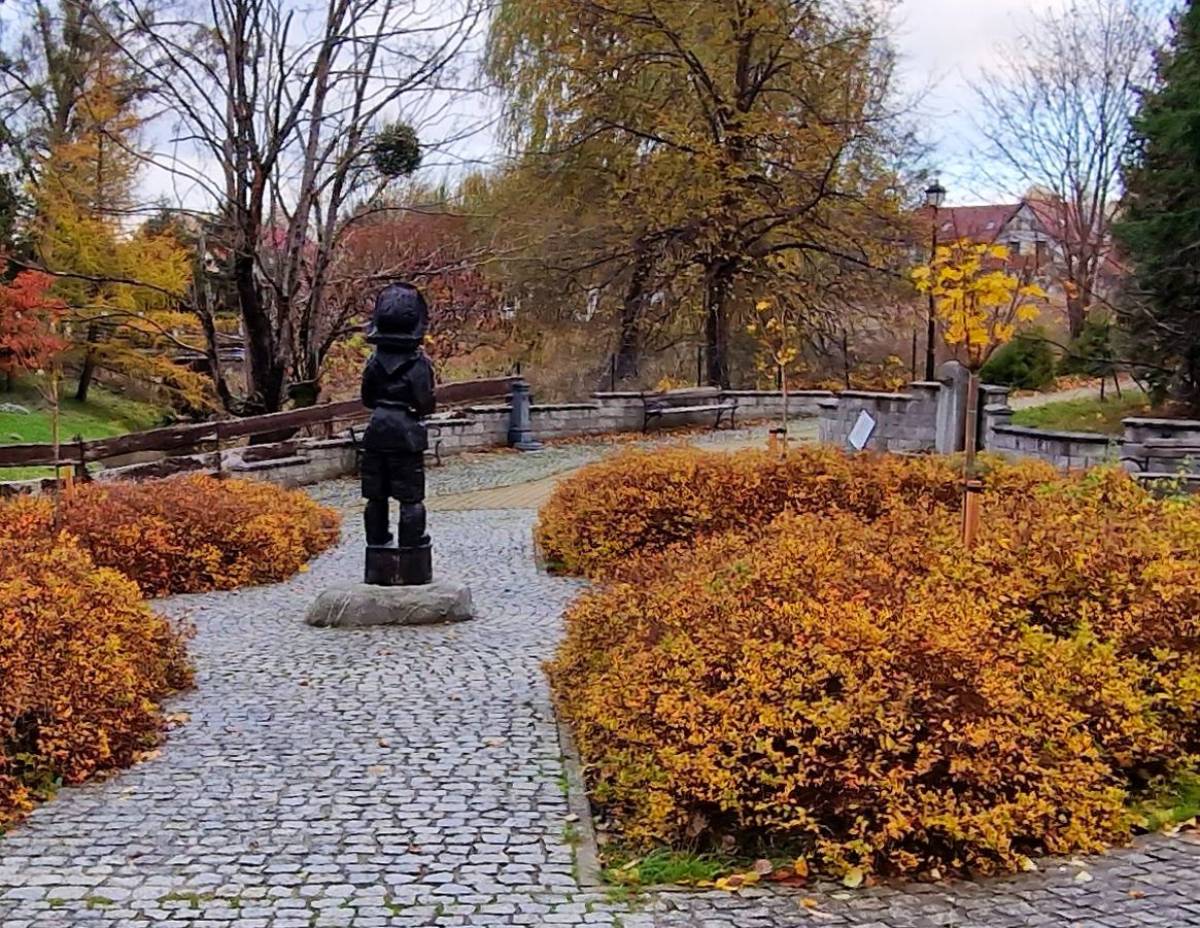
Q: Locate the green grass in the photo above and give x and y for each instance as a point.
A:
(1085, 415)
(667, 866)
(104, 415)
(1177, 802)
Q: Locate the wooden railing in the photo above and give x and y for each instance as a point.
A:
(203, 436)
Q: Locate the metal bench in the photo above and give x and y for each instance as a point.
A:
(687, 402)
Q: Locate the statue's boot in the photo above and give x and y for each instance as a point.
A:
(375, 519)
(411, 529)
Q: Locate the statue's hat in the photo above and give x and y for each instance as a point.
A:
(400, 316)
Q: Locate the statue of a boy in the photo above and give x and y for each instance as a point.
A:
(397, 386)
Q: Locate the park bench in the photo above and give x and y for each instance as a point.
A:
(687, 402)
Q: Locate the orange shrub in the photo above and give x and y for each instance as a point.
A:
(645, 501)
(855, 684)
(83, 663)
(192, 533)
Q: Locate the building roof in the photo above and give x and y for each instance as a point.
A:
(977, 223)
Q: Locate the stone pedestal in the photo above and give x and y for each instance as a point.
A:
(362, 605)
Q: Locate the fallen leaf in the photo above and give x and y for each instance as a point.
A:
(800, 865)
(1083, 876)
(809, 902)
(1136, 894)
(853, 878)
(762, 866)
(383, 743)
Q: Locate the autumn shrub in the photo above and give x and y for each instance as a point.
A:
(848, 682)
(83, 663)
(645, 501)
(192, 533)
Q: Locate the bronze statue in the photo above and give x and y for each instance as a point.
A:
(397, 387)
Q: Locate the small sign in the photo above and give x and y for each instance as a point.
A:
(864, 425)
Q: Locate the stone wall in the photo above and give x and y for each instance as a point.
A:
(474, 428)
(903, 421)
(768, 404)
(1066, 450)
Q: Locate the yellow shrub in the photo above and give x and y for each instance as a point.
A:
(83, 663)
(645, 501)
(848, 679)
(193, 533)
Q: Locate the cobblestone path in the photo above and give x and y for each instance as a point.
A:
(412, 777)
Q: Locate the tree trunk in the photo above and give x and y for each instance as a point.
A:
(629, 341)
(1076, 314)
(265, 373)
(716, 323)
(88, 371)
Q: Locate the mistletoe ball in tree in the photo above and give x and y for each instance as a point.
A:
(397, 151)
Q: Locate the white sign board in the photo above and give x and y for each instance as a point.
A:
(864, 425)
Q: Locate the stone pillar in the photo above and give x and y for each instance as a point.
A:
(994, 414)
(951, 408)
(520, 421)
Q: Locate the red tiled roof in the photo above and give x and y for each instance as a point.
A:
(977, 223)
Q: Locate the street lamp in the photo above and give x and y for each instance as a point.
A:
(935, 196)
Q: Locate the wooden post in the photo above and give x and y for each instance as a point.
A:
(972, 488)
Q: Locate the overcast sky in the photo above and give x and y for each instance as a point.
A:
(943, 45)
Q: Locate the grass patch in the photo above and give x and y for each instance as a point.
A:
(1175, 803)
(1085, 415)
(667, 866)
(104, 415)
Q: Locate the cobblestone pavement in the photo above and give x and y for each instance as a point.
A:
(412, 777)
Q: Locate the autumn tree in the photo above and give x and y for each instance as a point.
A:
(1055, 111)
(739, 130)
(123, 290)
(288, 117)
(29, 320)
(981, 294)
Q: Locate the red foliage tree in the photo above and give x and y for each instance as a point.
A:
(433, 250)
(28, 321)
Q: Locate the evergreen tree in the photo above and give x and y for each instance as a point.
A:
(1160, 228)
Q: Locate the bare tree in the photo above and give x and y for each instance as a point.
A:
(1055, 112)
(283, 120)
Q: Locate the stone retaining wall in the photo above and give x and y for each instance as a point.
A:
(474, 428)
(903, 421)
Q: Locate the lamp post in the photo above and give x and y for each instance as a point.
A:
(935, 195)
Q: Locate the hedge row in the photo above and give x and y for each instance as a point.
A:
(643, 502)
(83, 663)
(192, 533)
(845, 680)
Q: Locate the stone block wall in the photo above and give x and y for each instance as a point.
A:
(903, 421)
(474, 428)
(768, 404)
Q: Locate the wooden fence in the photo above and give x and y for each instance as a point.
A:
(207, 436)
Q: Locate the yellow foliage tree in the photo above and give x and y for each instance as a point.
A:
(122, 288)
(980, 296)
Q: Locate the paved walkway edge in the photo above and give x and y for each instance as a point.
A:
(587, 851)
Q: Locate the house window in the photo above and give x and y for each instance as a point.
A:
(1015, 246)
